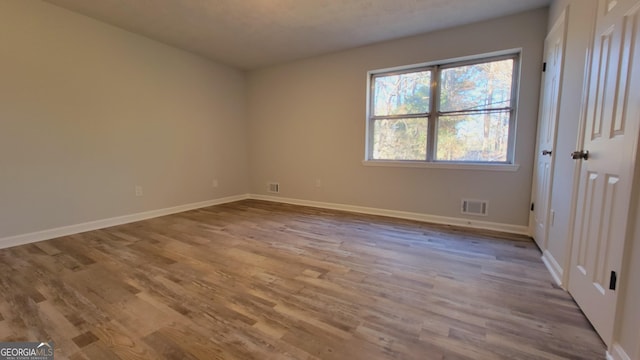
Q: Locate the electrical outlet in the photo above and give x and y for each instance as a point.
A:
(318, 183)
(139, 190)
(214, 183)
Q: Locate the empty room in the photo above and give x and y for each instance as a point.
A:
(304, 179)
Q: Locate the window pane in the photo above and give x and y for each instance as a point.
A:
(477, 137)
(478, 86)
(402, 93)
(400, 139)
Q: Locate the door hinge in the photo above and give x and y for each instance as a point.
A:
(544, 67)
(613, 281)
(533, 206)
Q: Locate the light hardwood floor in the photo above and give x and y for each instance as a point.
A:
(259, 280)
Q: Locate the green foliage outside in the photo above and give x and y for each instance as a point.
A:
(473, 124)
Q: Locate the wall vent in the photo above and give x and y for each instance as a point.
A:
(475, 207)
(273, 188)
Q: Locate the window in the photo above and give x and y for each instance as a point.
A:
(458, 112)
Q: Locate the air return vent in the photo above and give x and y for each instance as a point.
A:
(273, 188)
(475, 207)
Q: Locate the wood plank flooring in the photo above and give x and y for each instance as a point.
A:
(260, 280)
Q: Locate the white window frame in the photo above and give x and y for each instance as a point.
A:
(433, 114)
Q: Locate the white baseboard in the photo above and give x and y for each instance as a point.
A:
(617, 353)
(552, 265)
(485, 225)
(101, 224)
(125, 219)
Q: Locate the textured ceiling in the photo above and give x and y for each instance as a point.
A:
(249, 34)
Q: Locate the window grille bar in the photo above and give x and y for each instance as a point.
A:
(474, 111)
(400, 116)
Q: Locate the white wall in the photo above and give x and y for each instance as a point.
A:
(87, 111)
(628, 321)
(307, 122)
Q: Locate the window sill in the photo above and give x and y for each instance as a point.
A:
(443, 165)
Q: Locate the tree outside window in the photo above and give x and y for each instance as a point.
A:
(470, 120)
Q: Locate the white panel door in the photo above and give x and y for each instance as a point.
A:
(611, 117)
(547, 122)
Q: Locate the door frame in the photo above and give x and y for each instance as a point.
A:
(579, 145)
(562, 20)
